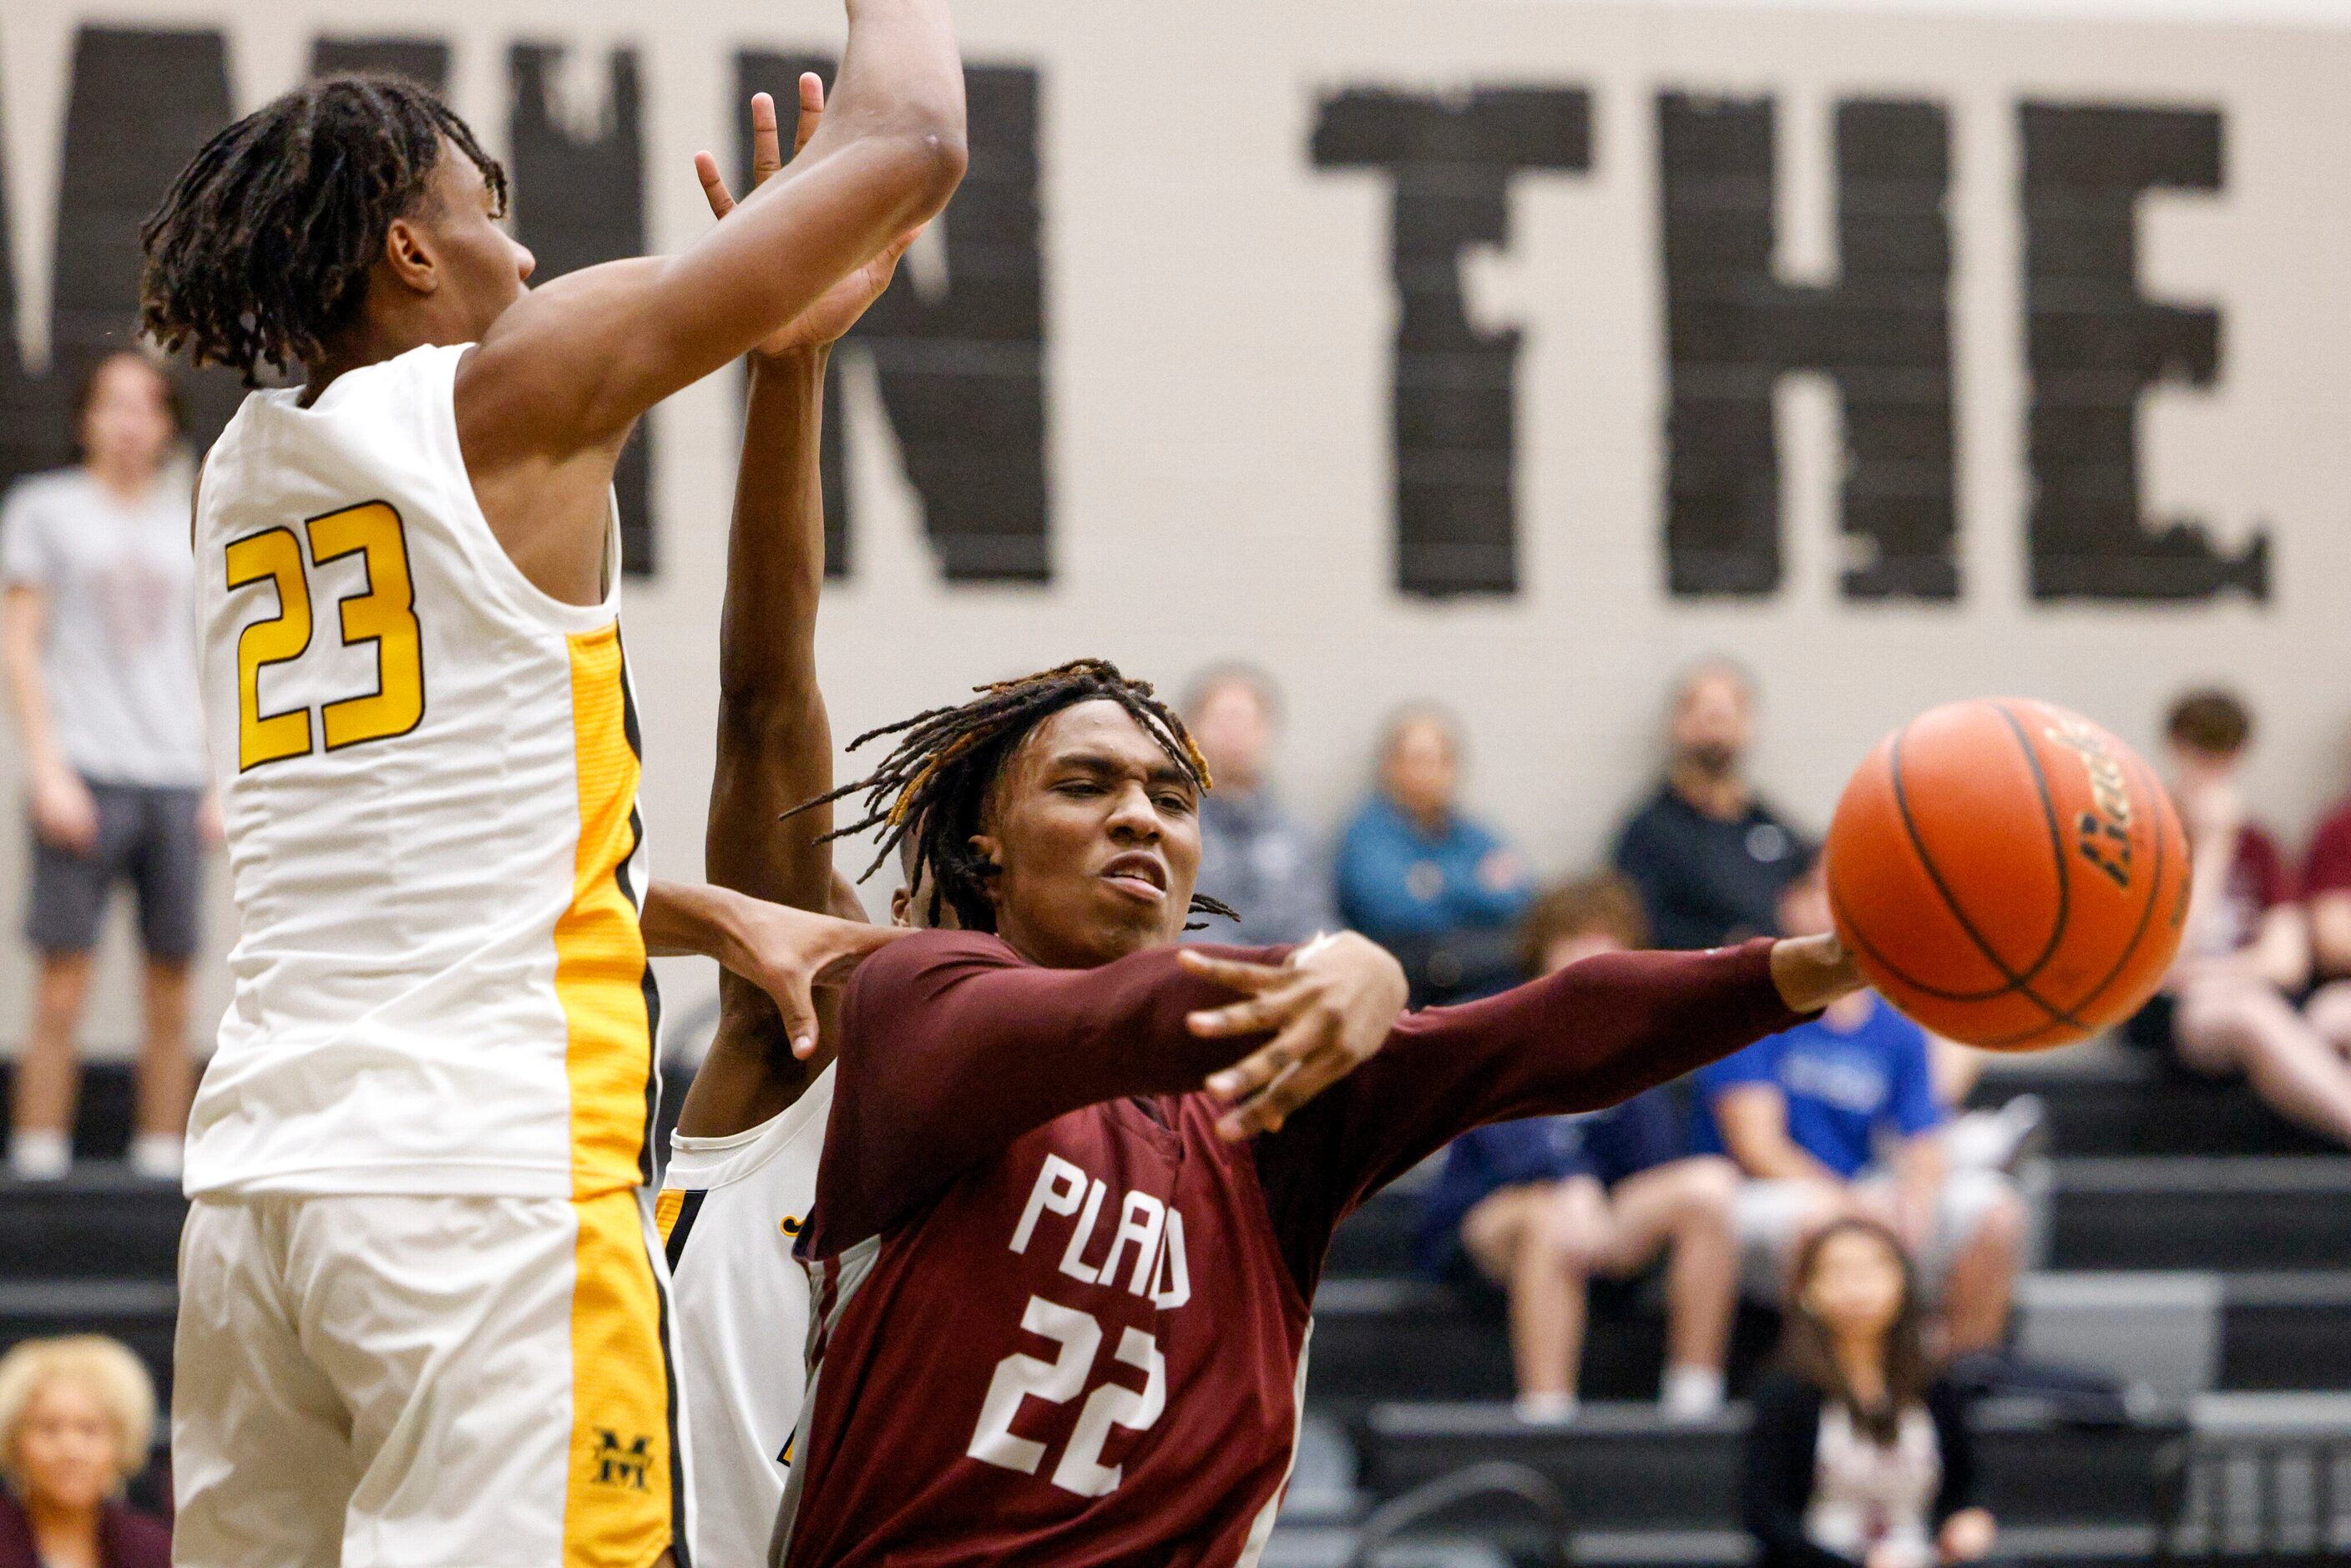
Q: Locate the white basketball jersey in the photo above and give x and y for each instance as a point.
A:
(730, 1210)
(428, 772)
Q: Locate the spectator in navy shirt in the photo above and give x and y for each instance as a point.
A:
(1539, 1206)
(1254, 854)
(1839, 1116)
(1442, 893)
(1709, 855)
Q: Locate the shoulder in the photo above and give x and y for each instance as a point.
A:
(38, 495)
(1652, 823)
(2333, 830)
(2258, 851)
(136, 1541)
(929, 956)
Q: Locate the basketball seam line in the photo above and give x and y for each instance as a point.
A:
(1918, 847)
(2056, 842)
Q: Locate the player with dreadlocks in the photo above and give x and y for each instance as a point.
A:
(423, 1311)
(1061, 1293)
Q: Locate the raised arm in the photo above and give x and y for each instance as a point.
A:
(775, 740)
(547, 399)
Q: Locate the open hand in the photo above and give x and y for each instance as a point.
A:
(1330, 1007)
(789, 952)
(836, 310)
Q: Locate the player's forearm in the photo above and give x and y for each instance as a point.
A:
(775, 740)
(900, 71)
(1598, 1032)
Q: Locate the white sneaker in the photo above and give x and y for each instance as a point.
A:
(39, 1157)
(1692, 1395)
(1546, 1409)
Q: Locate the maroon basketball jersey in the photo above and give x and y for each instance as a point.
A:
(1057, 1319)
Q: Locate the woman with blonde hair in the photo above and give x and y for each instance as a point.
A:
(77, 1418)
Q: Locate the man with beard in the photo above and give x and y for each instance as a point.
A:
(1709, 855)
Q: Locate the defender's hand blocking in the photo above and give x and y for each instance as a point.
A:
(788, 953)
(1330, 1006)
(833, 314)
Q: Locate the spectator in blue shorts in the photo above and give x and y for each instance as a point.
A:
(1840, 1116)
(1440, 890)
(100, 652)
(1539, 1206)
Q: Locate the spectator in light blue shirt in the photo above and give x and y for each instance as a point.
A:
(1441, 892)
(1839, 1115)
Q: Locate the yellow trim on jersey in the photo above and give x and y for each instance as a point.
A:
(666, 1209)
(619, 1498)
(599, 946)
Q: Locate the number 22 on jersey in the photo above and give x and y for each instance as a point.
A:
(384, 613)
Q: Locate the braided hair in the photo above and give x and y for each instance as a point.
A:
(260, 250)
(930, 792)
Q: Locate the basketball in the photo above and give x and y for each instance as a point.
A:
(2008, 873)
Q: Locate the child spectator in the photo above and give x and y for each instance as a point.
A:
(1441, 892)
(100, 652)
(1709, 855)
(1858, 1457)
(1539, 1206)
(1254, 855)
(1802, 1113)
(77, 1418)
(2229, 1004)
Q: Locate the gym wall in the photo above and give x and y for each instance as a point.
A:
(1508, 353)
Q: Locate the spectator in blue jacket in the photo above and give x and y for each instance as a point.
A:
(1840, 1116)
(1539, 1206)
(1441, 892)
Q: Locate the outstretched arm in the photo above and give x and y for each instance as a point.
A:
(545, 401)
(775, 740)
(1592, 1035)
(956, 1047)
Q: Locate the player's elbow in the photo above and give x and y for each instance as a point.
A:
(928, 154)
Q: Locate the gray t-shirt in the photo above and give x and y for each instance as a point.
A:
(121, 657)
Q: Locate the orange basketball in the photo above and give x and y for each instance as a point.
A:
(2008, 873)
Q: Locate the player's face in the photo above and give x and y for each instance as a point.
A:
(1096, 837)
(64, 1447)
(480, 267)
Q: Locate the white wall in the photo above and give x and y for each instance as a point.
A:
(1220, 315)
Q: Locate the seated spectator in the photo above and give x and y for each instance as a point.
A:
(1439, 891)
(2326, 903)
(1858, 1457)
(77, 1418)
(1539, 1206)
(2229, 1004)
(1709, 855)
(1254, 854)
(1802, 1114)
(99, 651)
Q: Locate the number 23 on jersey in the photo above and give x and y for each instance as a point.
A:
(382, 612)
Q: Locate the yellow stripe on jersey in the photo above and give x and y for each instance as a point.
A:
(617, 1501)
(599, 946)
(666, 1209)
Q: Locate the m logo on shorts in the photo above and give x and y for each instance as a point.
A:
(623, 1467)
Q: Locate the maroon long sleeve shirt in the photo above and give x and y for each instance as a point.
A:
(1058, 1319)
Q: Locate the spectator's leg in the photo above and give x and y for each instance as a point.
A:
(2329, 1012)
(2246, 1025)
(1537, 1242)
(166, 1074)
(1683, 1205)
(1981, 1224)
(168, 870)
(46, 1074)
(1957, 1069)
